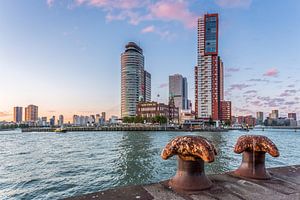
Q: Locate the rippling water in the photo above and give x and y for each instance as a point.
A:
(53, 166)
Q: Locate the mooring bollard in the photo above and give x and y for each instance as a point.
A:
(254, 148)
(192, 152)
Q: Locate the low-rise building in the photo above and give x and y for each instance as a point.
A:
(152, 109)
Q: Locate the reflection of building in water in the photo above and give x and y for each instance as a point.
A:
(136, 158)
(223, 161)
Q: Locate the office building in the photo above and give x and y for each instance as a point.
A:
(259, 118)
(18, 113)
(292, 116)
(274, 114)
(225, 114)
(52, 121)
(60, 120)
(178, 89)
(31, 113)
(103, 116)
(135, 87)
(209, 72)
(147, 84)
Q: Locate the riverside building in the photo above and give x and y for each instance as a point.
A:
(18, 112)
(209, 78)
(178, 89)
(31, 113)
(135, 82)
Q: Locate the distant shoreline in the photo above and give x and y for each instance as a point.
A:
(85, 129)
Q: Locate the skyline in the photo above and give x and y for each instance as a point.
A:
(65, 41)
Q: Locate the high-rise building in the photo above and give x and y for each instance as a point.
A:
(274, 114)
(209, 72)
(147, 84)
(178, 90)
(103, 116)
(292, 116)
(225, 114)
(259, 118)
(18, 113)
(52, 121)
(60, 120)
(31, 113)
(135, 86)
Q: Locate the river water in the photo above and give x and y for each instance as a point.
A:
(53, 166)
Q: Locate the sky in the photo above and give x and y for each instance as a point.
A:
(64, 55)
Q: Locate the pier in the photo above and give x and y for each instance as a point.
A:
(284, 184)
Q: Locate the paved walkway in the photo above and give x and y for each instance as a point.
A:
(285, 184)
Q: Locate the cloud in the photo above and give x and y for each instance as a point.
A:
(232, 69)
(243, 111)
(163, 85)
(148, 29)
(173, 10)
(251, 92)
(291, 103)
(136, 11)
(238, 86)
(50, 3)
(233, 3)
(162, 33)
(258, 80)
(291, 86)
(5, 114)
(288, 93)
(271, 72)
(272, 102)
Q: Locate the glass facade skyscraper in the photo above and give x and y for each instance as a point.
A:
(209, 78)
(135, 82)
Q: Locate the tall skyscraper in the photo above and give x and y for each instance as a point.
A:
(259, 118)
(147, 83)
(18, 113)
(31, 113)
(178, 90)
(135, 86)
(209, 78)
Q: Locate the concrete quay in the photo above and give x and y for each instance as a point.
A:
(284, 184)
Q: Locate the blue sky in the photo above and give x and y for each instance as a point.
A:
(64, 55)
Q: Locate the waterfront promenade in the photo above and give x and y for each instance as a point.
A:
(284, 184)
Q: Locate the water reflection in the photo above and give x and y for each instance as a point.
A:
(135, 166)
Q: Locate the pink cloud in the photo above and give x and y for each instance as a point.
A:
(233, 3)
(148, 29)
(272, 72)
(5, 114)
(163, 85)
(50, 3)
(173, 10)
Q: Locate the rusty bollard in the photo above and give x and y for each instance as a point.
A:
(254, 148)
(192, 152)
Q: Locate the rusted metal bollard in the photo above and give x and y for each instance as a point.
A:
(254, 148)
(192, 152)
